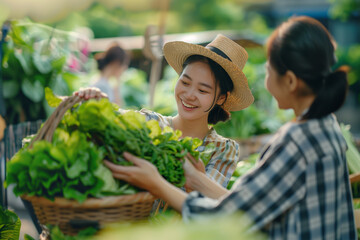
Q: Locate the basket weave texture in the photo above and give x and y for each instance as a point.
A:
(72, 216)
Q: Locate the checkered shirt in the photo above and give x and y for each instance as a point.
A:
(299, 188)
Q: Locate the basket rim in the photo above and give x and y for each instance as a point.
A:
(103, 202)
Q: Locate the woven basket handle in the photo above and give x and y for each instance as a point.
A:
(48, 129)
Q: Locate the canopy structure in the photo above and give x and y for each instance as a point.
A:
(138, 45)
(135, 43)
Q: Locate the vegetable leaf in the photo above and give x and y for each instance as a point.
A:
(9, 225)
(51, 99)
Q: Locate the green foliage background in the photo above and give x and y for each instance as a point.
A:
(26, 74)
(35, 57)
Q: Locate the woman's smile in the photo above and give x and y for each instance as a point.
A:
(187, 106)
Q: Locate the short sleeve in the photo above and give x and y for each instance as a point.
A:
(223, 162)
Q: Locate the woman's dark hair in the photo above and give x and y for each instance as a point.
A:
(217, 113)
(304, 46)
(113, 54)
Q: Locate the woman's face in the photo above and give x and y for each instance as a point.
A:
(273, 84)
(195, 91)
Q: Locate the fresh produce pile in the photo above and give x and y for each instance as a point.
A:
(9, 224)
(71, 165)
(352, 154)
(352, 158)
(131, 132)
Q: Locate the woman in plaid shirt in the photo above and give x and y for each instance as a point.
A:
(300, 187)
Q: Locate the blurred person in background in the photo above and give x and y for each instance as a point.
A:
(300, 187)
(112, 63)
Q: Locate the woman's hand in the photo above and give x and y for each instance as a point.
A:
(193, 168)
(91, 92)
(143, 174)
(198, 181)
(198, 164)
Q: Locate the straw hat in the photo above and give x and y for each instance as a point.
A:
(228, 54)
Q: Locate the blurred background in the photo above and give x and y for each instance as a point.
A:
(54, 43)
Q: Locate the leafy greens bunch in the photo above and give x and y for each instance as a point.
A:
(129, 131)
(71, 165)
(9, 224)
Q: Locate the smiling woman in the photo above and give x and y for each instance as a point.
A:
(211, 84)
(196, 93)
(204, 75)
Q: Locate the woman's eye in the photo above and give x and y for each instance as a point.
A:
(185, 83)
(203, 91)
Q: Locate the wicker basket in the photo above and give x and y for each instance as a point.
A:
(72, 216)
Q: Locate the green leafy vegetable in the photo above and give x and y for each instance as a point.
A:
(85, 234)
(352, 154)
(356, 205)
(209, 150)
(71, 165)
(132, 133)
(9, 225)
(50, 97)
(28, 237)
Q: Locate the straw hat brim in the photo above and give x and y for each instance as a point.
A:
(240, 97)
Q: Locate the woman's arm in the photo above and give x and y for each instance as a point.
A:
(274, 186)
(199, 181)
(170, 194)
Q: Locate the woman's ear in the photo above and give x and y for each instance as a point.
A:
(222, 98)
(291, 81)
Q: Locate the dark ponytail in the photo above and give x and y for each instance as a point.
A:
(304, 46)
(330, 97)
(217, 112)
